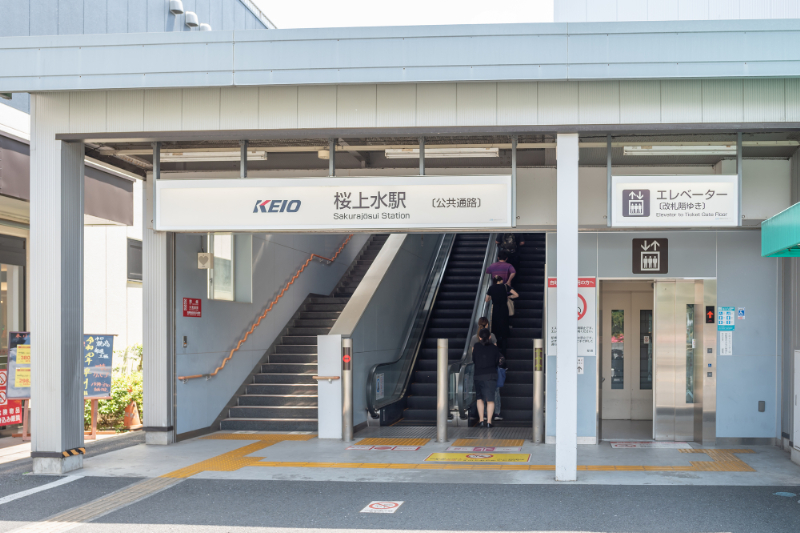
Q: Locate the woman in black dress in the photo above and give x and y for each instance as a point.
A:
(499, 294)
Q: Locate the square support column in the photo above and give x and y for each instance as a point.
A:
(56, 288)
(157, 306)
(567, 334)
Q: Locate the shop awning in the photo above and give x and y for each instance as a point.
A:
(780, 235)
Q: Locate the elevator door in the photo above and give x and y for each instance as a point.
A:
(627, 350)
(685, 348)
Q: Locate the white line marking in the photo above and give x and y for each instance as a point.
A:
(46, 486)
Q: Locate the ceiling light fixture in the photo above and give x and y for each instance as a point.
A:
(727, 149)
(199, 157)
(441, 153)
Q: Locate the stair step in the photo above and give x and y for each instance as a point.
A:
(285, 378)
(299, 349)
(299, 340)
(293, 358)
(283, 389)
(263, 424)
(273, 411)
(274, 367)
(277, 399)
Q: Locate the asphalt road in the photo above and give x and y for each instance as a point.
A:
(201, 505)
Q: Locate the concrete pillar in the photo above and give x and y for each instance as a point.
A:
(56, 272)
(157, 305)
(567, 334)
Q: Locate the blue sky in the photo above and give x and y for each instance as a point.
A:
(326, 14)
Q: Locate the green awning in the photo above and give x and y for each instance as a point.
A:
(780, 235)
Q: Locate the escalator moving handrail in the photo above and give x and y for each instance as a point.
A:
(373, 408)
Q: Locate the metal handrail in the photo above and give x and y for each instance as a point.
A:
(480, 308)
(426, 299)
(271, 305)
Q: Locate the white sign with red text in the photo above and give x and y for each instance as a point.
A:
(587, 317)
(261, 204)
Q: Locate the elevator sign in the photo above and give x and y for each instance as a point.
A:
(674, 201)
(650, 256)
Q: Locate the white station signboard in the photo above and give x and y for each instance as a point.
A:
(674, 201)
(264, 204)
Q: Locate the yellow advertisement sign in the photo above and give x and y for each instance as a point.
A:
(480, 457)
(24, 354)
(22, 377)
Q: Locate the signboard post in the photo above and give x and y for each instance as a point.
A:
(98, 354)
(674, 201)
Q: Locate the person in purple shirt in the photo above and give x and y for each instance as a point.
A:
(502, 268)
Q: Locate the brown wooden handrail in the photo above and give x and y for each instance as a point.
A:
(264, 314)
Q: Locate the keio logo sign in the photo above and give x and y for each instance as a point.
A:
(277, 206)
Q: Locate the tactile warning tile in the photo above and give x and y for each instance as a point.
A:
(488, 443)
(381, 441)
(721, 461)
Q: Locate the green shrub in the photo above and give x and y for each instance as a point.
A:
(111, 413)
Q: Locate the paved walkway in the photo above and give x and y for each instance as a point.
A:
(299, 456)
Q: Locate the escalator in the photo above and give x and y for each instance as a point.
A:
(450, 319)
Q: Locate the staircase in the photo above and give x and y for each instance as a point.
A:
(526, 324)
(450, 319)
(283, 395)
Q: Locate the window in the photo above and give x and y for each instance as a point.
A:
(134, 260)
(645, 349)
(221, 275)
(690, 353)
(618, 349)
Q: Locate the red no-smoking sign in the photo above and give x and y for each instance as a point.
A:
(382, 507)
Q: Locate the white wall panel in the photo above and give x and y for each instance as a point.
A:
(397, 105)
(792, 88)
(693, 9)
(598, 102)
(277, 108)
(558, 102)
(163, 109)
(87, 111)
(764, 101)
(599, 10)
(631, 10)
(125, 110)
(316, 106)
(517, 103)
(663, 9)
(723, 9)
(201, 109)
(476, 104)
(356, 106)
(570, 10)
(639, 102)
(238, 107)
(681, 101)
(436, 104)
(722, 100)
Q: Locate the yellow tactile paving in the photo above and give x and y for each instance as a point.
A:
(379, 441)
(721, 460)
(487, 443)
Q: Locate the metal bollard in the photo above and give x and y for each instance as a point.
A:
(442, 403)
(347, 390)
(538, 386)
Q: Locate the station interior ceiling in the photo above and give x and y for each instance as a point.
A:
(369, 152)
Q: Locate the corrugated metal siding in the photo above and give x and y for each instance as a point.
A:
(792, 89)
(558, 103)
(517, 103)
(356, 106)
(163, 109)
(599, 102)
(201, 109)
(316, 106)
(238, 108)
(397, 105)
(476, 104)
(95, 16)
(639, 102)
(125, 111)
(117, 16)
(436, 104)
(722, 100)
(693, 9)
(56, 282)
(16, 18)
(662, 9)
(681, 101)
(277, 107)
(597, 9)
(70, 17)
(631, 10)
(764, 101)
(137, 18)
(87, 111)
